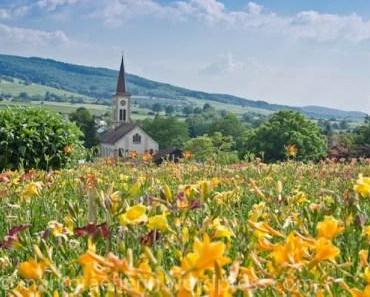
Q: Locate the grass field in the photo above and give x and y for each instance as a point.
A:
(15, 87)
(187, 229)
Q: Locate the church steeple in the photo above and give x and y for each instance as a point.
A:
(121, 82)
(121, 100)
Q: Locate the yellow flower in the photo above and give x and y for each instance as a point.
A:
(221, 231)
(31, 190)
(367, 275)
(158, 222)
(293, 252)
(68, 149)
(31, 269)
(134, 215)
(329, 228)
(363, 255)
(208, 253)
(291, 150)
(23, 291)
(325, 250)
(362, 186)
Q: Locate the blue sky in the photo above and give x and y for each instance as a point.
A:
(282, 51)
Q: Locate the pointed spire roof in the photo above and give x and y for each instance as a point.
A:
(121, 82)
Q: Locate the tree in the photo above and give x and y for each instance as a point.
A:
(216, 147)
(187, 110)
(201, 147)
(169, 110)
(362, 134)
(288, 128)
(168, 132)
(86, 122)
(157, 107)
(37, 138)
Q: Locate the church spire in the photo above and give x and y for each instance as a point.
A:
(121, 82)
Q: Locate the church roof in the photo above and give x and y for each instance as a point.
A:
(112, 136)
(121, 82)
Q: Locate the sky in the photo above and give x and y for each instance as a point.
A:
(294, 52)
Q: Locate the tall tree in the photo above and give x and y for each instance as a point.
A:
(86, 122)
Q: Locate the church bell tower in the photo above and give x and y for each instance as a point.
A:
(121, 100)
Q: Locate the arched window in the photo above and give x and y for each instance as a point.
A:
(136, 139)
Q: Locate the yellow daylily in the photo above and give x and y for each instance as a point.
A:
(362, 186)
(329, 228)
(31, 269)
(158, 222)
(134, 215)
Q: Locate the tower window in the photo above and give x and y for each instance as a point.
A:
(136, 139)
(122, 115)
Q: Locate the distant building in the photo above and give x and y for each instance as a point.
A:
(125, 136)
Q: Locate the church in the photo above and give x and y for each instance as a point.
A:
(124, 136)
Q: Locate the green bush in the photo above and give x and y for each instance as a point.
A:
(36, 138)
(287, 128)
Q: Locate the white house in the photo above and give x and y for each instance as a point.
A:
(125, 136)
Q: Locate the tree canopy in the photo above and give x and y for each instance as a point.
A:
(288, 129)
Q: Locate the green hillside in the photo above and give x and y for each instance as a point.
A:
(98, 84)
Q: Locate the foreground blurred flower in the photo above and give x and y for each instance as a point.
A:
(325, 250)
(329, 228)
(362, 186)
(206, 254)
(31, 190)
(22, 291)
(93, 230)
(11, 239)
(158, 222)
(134, 215)
(31, 269)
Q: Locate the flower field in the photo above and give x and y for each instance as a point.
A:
(135, 229)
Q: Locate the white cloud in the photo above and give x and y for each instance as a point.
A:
(10, 13)
(52, 5)
(27, 37)
(305, 24)
(223, 66)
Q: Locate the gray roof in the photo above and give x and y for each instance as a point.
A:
(112, 136)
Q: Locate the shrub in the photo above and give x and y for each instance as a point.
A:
(36, 138)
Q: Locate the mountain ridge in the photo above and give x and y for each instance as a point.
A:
(99, 83)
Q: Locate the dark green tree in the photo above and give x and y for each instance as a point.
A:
(167, 131)
(37, 138)
(286, 128)
(169, 110)
(86, 122)
(362, 134)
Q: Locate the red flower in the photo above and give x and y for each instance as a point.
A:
(93, 230)
(12, 236)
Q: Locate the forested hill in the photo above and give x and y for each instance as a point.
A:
(100, 83)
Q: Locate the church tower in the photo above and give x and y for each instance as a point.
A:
(121, 100)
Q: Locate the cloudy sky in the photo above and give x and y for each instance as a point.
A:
(295, 52)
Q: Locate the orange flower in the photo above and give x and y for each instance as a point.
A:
(329, 228)
(325, 250)
(291, 150)
(32, 269)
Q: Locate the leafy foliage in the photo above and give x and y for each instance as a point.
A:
(86, 122)
(36, 138)
(287, 128)
(167, 131)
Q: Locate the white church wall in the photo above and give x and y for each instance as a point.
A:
(147, 143)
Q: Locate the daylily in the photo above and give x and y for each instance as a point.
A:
(32, 269)
(329, 228)
(362, 186)
(325, 250)
(134, 215)
(31, 190)
(158, 222)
